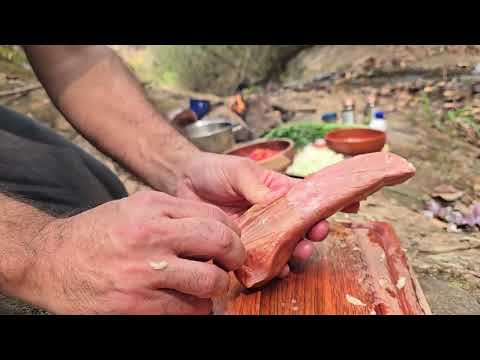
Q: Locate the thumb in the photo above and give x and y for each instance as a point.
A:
(250, 185)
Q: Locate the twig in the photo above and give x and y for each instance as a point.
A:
(20, 90)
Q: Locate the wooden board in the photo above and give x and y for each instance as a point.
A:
(359, 270)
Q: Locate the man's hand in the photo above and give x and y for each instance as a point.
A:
(145, 254)
(235, 184)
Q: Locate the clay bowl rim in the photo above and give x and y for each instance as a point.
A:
(364, 142)
(355, 139)
(289, 148)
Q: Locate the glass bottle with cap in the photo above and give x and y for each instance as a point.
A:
(370, 109)
(348, 113)
(379, 123)
(330, 117)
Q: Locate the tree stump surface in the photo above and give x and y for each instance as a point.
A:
(360, 269)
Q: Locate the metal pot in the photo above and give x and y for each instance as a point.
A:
(214, 136)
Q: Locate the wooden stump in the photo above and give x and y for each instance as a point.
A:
(359, 270)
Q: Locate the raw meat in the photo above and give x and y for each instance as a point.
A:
(270, 232)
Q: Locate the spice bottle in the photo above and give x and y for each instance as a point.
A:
(370, 109)
(348, 112)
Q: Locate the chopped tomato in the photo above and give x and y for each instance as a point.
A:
(262, 154)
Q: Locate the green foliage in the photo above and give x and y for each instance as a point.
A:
(11, 54)
(429, 114)
(303, 133)
(464, 115)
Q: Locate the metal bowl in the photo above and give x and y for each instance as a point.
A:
(214, 136)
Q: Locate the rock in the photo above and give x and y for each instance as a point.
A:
(461, 207)
(476, 70)
(386, 90)
(404, 95)
(476, 186)
(447, 193)
(224, 112)
(451, 105)
(476, 88)
(219, 69)
(389, 108)
(417, 85)
(447, 300)
(453, 229)
(260, 116)
(428, 89)
(453, 95)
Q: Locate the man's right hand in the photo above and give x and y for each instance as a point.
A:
(146, 254)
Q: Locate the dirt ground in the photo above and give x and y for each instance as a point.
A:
(415, 96)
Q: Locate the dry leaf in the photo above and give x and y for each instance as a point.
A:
(428, 89)
(476, 188)
(451, 105)
(453, 95)
(386, 90)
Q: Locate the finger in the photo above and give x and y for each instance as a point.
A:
(285, 272)
(319, 232)
(208, 239)
(171, 302)
(247, 181)
(303, 251)
(199, 279)
(352, 209)
(180, 208)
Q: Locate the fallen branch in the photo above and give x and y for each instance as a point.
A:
(20, 90)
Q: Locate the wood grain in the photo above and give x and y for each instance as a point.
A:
(359, 263)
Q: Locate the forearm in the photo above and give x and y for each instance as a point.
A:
(20, 248)
(98, 95)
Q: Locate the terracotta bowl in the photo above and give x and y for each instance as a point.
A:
(278, 162)
(356, 141)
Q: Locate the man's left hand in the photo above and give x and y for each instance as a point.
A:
(235, 184)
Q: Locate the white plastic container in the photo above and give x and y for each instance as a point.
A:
(378, 122)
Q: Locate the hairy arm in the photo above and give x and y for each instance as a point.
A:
(99, 96)
(20, 248)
